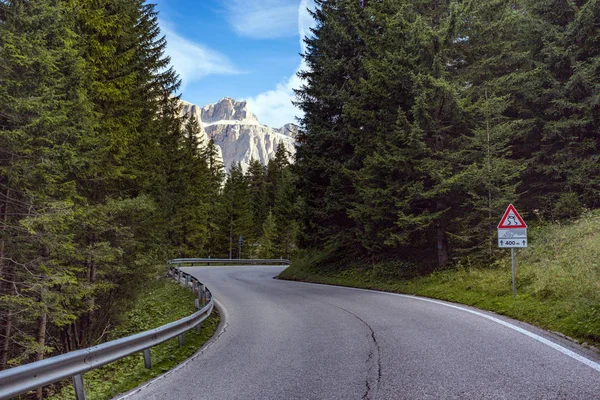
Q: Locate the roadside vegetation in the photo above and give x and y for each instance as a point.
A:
(102, 178)
(162, 301)
(558, 279)
(422, 122)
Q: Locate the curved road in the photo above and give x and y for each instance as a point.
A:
(288, 340)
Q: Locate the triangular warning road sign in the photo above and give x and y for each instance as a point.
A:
(511, 219)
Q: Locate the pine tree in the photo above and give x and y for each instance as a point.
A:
(257, 191)
(333, 59)
(191, 202)
(274, 174)
(405, 180)
(216, 178)
(417, 118)
(266, 243)
(382, 101)
(284, 216)
(567, 159)
(494, 62)
(582, 160)
(89, 130)
(236, 214)
(154, 94)
(44, 115)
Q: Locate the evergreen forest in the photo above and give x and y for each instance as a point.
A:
(102, 179)
(425, 119)
(422, 120)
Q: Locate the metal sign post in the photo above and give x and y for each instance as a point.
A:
(514, 285)
(512, 233)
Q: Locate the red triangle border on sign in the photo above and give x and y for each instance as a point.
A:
(512, 208)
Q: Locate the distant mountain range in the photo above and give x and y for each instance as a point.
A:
(239, 134)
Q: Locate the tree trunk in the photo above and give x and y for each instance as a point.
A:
(42, 322)
(442, 244)
(489, 173)
(6, 340)
(231, 237)
(86, 320)
(64, 341)
(92, 303)
(6, 274)
(74, 338)
(5, 315)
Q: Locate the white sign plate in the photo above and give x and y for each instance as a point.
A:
(508, 238)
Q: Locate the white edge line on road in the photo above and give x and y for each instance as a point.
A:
(201, 350)
(555, 346)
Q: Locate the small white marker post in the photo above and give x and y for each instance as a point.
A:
(512, 233)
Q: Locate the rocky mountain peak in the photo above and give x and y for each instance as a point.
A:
(290, 130)
(228, 109)
(238, 134)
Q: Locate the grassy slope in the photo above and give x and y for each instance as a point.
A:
(163, 301)
(558, 280)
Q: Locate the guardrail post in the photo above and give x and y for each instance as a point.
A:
(79, 388)
(147, 359)
(180, 274)
(203, 296)
(187, 281)
(180, 340)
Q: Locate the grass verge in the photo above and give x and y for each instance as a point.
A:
(162, 301)
(558, 280)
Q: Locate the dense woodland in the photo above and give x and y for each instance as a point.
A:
(424, 119)
(102, 180)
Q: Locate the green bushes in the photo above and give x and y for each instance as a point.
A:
(162, 301)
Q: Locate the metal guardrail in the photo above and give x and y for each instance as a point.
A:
(74, 364)
(238, 261)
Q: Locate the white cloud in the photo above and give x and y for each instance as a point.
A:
(263, 19)
(305, 21)
(274, 107)
(194, 61)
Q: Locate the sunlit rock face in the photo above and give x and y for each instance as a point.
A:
(239, 134)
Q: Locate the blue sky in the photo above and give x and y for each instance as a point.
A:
(244, 49)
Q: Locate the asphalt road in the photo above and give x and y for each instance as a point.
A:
(288, 340)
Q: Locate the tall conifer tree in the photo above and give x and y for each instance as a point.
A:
(333, 58)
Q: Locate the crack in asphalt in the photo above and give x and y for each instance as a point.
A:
(371, 388)
(225, 326)
(370, 392)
